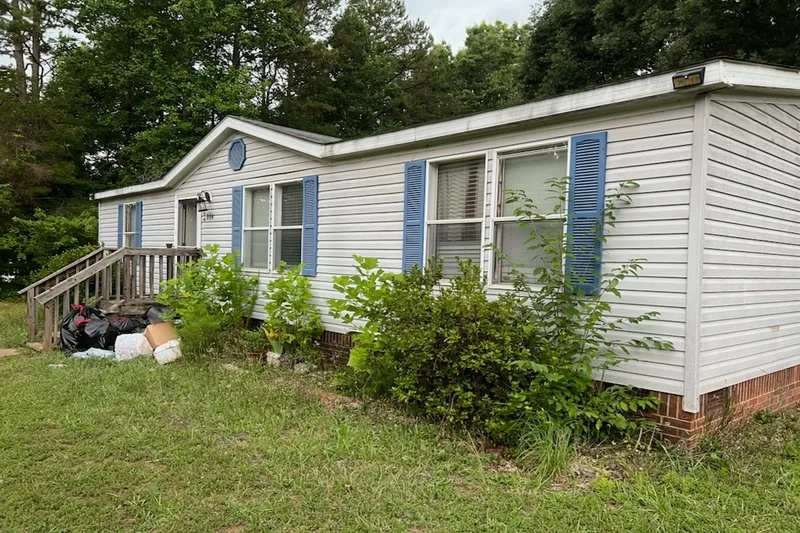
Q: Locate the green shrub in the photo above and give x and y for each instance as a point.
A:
(293, 323)
(212, 298)
(59, 261)
(447, 350)
(365, 306)
(34, 246)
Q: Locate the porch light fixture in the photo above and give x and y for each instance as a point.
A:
(203, 199)
(689, 78)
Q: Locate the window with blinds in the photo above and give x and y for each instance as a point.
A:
(457, 193)
(531, 172)
(288, 233)
(273, 226)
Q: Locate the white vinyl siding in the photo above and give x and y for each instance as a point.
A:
(361, 212)
(751, 284)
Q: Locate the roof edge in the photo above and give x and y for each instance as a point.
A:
(228, 126)
(720, 73)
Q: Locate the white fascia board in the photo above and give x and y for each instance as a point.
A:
(619, 93)
(744, 75)
(229, 126)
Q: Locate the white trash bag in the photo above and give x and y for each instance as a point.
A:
(131, 346)
(168, 352)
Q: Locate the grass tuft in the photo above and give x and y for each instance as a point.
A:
(546, 449)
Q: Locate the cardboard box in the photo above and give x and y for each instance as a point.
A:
(158, 334)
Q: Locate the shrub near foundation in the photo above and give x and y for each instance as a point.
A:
(212, 298)
(498, 366)
(293, 323)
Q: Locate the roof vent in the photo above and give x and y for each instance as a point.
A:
(237, 154)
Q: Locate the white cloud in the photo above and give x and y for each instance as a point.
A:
(449, 19)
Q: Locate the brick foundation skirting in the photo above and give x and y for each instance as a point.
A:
(727, 407)
(336, 347)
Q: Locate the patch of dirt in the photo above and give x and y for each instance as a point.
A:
(331, 400)
(231, 529)
(584, 470)
(465, 487)
(503, 466)
(6, 352)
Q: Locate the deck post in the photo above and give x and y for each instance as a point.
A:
(47, 337)
(33, 316)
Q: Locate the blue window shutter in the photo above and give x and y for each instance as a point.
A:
(237, 202)
(586, 206)
(139, 217)
(120, 224)
(414, 215)
(310, 226)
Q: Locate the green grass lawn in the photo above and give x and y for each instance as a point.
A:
(12, 324)
(94, 445)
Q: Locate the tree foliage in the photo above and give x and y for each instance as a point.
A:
(488, 69)
(97, 94)
(575, 44)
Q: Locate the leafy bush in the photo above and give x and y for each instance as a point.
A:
(293, 323)
(59, 261)
(212, 297)
(366, 305)
(33, 246)
(447, 350)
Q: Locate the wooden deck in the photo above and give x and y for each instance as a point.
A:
(110, 279)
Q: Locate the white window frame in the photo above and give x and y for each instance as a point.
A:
(495, 218)
(198, 231)
(271, 264)
(275, 206)
(128, 210)
(430, 201)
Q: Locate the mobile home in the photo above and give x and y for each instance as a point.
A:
(715, 150)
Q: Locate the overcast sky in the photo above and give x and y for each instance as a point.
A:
(448, 19)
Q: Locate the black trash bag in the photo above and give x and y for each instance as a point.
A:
(101, 334)
(156, 314)
(73, 327)
(127, 324)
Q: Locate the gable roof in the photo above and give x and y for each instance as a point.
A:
(719, 74)
(300, 134)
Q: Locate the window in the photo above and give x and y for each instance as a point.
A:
(256, 228)
(288, 233)
(273, 214)
(187, 223)
(528, 171)
(129, 228)
(457, 199)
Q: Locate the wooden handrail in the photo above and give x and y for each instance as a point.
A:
(57, 273)
(167, 252)
(83, 275)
